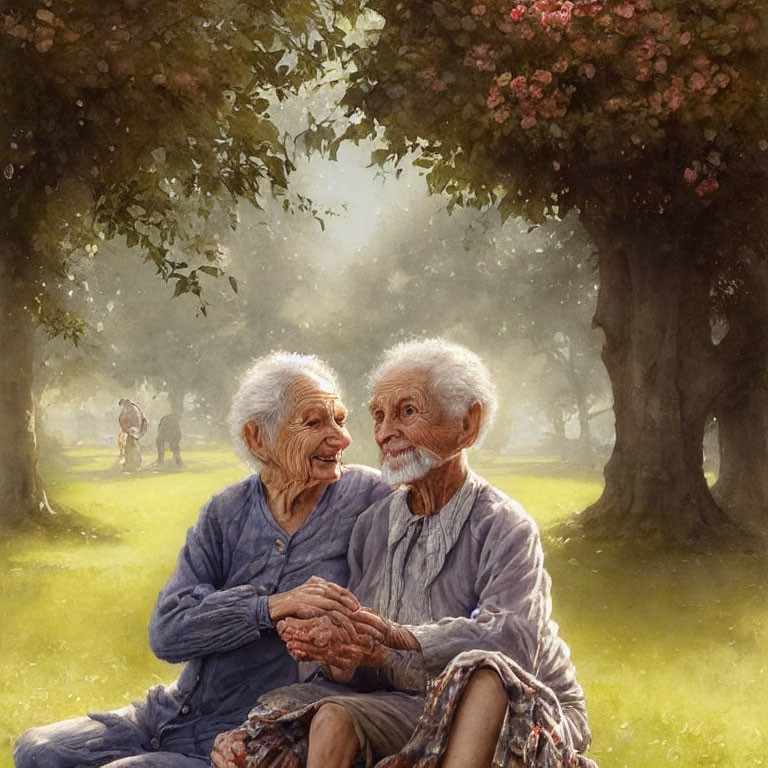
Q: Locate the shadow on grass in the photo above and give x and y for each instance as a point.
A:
(671, 600)
(62, 523)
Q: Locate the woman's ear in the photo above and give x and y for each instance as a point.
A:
(471, 425)
(254, 438)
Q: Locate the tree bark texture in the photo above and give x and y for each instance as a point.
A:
(654, 310)
(22, 498)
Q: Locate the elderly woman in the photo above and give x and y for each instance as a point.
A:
(453, 570)
(263, 549)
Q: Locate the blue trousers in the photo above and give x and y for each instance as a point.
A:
(116, 739)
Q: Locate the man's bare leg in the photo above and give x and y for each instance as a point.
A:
(477, 723)
(333, 742)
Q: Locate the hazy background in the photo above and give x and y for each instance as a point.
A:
(390, 264)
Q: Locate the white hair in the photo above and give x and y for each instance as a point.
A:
(457, 375)
(264, 393)
(412, 465)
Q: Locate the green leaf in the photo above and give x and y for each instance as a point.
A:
(181, 287)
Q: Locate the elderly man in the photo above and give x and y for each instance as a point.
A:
(262, 550)
(449, 565)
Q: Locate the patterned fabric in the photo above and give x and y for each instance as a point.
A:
(534, 734)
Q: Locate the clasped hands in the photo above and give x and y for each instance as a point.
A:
(321, 621)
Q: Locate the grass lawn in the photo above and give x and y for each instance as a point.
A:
(672, 648)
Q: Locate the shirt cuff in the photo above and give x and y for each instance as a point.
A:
(432, 648)
(263, 621)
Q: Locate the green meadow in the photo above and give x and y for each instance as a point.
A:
(671, 647)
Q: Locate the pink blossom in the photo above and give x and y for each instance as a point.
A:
(519, 85)
(588, 70)
(556, 165)
(702, 63)
(696, 81)
(542, 76)
(660, 65)
(626, 11)
(501, 116)
(690, 175)
(536, 93)
(494, 98)
(645, 49)
(44, 45)
(674, 98)
(528, 122)
(612, 106)
(643, 74)
(561, 64)
(517, 13)
(721, 80)
(685, 38)
(478, 10)
(707, 186)
(430, 73)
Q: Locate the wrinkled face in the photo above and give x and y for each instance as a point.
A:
(310, 441)
(410, 427)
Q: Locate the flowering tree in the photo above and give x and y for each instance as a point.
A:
(139, 121)
(649, 118)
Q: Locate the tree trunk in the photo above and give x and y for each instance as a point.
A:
(653, 309)
(582, 408)
(742, 484)
(22, 498)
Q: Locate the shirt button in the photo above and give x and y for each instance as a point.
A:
(155, 743)
(185, 709)
(280, 546)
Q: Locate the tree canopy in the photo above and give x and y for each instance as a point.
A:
(551, 104)
(138, 120)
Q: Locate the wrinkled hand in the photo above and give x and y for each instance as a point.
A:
(315, 597)
(386, 632)
(229, 749)
(363, 640)
(321, 639)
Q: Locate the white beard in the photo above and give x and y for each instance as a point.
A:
(411, 465)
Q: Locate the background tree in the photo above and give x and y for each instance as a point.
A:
(522, 299)
(649, 119)
(137, 121)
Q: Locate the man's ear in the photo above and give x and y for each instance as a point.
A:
(254, 438)
(471, 426)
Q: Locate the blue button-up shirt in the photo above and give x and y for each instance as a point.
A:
(213, 612)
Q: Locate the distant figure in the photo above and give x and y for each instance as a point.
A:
(133, 426)
(169, 431)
